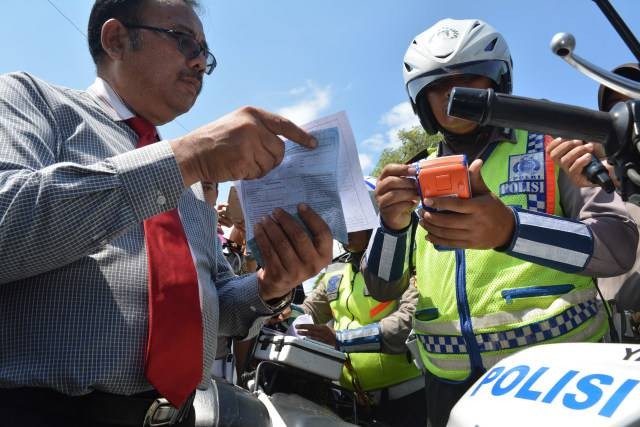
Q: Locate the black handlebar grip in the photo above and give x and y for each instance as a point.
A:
(485, 107)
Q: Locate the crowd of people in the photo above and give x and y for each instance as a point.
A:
(117, 294)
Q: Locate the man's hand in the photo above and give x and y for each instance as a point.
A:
(482, 222)
(321, 333)
(290, 255)
(241, 145)
(397, 195)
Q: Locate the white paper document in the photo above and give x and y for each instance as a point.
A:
(303, 319)
(304, 176)
(359, 213)
(327, 178)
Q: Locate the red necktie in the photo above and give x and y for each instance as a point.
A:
(173, 362)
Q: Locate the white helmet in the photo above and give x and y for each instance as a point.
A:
(466, 46)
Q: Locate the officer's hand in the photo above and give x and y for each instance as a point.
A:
(290, 255)
(572, 155)
(223, 216)
(241, 145)
(397, 195)
(482, 222)
(322, 333)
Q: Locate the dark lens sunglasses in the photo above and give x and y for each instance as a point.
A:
(187, 44)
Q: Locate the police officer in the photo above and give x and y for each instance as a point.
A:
(373, 335)
(523, 248)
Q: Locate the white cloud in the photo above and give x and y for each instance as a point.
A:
(399, 117)
(374, 142)
(365, 162)
(315, 100)
(298, 91)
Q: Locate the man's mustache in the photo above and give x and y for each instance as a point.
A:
(193, 75)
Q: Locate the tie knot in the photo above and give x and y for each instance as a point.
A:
(145, 130)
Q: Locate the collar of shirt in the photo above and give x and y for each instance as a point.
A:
(108, 98)
(496, 136)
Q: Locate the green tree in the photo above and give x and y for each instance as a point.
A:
(413, 141)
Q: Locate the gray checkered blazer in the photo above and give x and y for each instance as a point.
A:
(73, 265)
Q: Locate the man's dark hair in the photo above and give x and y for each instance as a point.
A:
(122, 10)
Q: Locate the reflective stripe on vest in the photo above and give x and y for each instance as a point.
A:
(498, 319)
(457, 366)
(353, 309)
(532, 333)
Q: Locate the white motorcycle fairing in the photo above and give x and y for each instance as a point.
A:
(582, 384)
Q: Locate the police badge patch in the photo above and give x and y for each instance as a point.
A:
(526, 174)
(332, 287)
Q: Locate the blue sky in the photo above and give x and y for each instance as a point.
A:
(306, 59)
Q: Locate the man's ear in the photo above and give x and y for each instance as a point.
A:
(113, 38)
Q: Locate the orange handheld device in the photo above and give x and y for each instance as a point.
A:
(446, 176)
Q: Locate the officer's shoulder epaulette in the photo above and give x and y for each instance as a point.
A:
(336, 266)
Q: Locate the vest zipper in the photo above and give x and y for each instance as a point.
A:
(535, 291)
(352, 281)
(464, 313)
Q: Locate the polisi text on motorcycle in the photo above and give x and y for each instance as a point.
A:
(573, 389)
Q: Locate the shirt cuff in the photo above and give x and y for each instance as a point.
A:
(249, 297)
(388, 253)
(252, 309)
(560, 243)
(151, 177)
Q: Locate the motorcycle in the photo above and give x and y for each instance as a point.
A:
(588, 384)
(225, 404)
(292, 385)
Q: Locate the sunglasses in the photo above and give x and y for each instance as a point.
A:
(187, 44)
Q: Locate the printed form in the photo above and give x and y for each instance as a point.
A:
(327, 178)
(359, 213)
(304, 176)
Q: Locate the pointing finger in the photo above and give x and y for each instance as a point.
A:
(279, 125)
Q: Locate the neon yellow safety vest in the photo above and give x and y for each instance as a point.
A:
(477, 306)
(352, 309)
